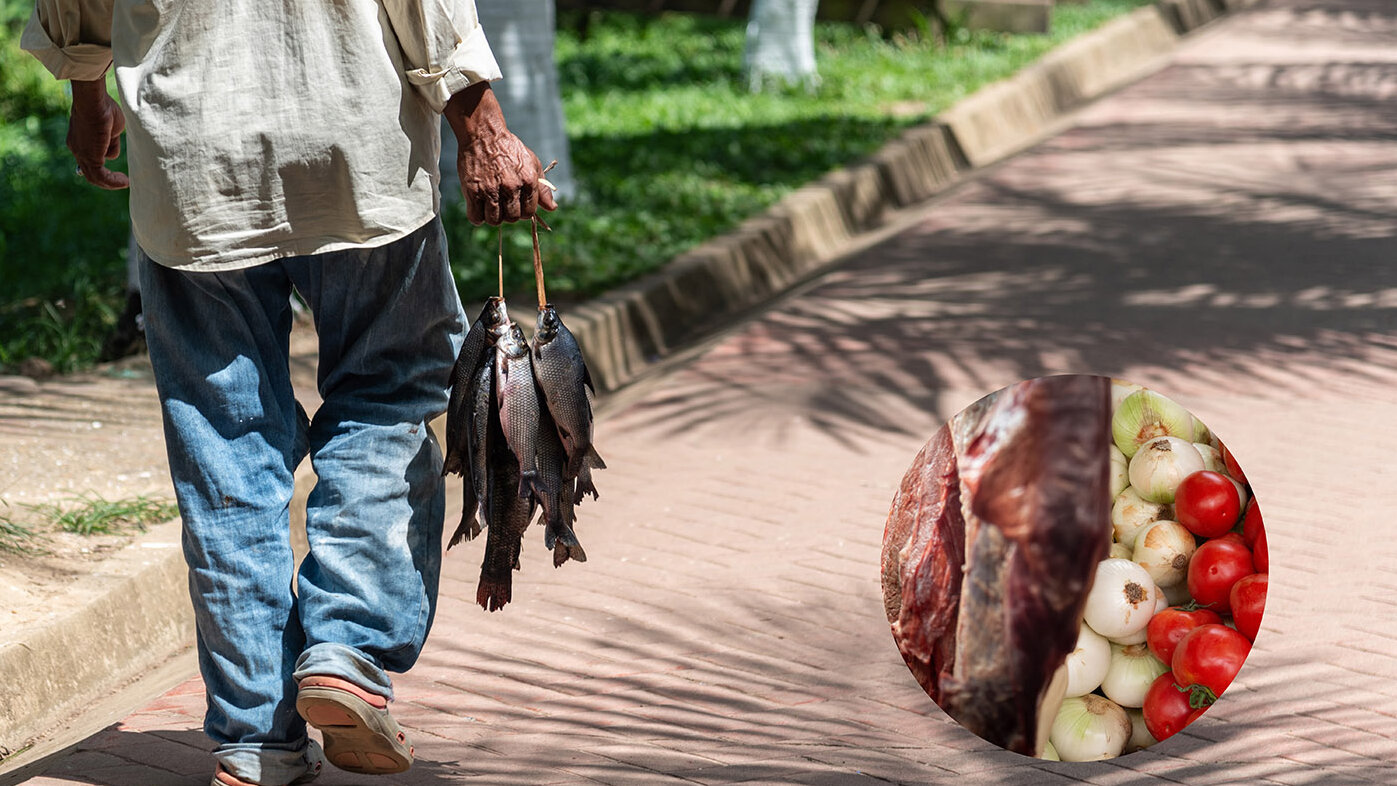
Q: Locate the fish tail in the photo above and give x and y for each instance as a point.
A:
(564, 544)
(584, 486)
(531, 485)
(493, 592)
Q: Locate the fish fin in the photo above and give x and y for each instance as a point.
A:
(587, 378)
(531, 486)
(584, 485)
(467, 530)
(492, 593)
(593, 458)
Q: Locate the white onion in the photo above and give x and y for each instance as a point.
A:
(1131, 514)
(1122, 599)
(1090, 728)
(1139, 636)
(1163, 549)
(1120, 551)
(1241, 491)
(1120, 471)
(1160, 465)
(1087, 664)
(1212, 457)
(1133, 669)
(1145, 415)
(1140, 737)
(1119, 390)
(1049, 752)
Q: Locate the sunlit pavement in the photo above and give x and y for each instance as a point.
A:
(1222, 231)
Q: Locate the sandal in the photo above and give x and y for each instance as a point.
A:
(359, 736)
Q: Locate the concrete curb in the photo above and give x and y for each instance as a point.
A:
(128, 618)
(626, 331)
(137, 611)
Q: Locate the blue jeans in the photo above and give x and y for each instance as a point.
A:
(389, 323)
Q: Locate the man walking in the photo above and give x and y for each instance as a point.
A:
(275, 145)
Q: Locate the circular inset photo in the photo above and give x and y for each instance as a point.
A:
(1074, 568)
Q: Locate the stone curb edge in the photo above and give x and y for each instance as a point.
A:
(137, 620)
(629, 329)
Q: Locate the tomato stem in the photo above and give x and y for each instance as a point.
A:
(1199, 696)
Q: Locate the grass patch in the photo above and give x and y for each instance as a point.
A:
(668, 146)
(15, 538)
(91, 514)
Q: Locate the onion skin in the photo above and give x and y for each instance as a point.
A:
(1122, 599)
(1131, 514)
(1090, 728)
(1164, 550)
(1145, 415)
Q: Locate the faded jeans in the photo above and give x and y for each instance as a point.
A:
(389, 323)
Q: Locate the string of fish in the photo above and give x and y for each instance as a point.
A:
(519, 432)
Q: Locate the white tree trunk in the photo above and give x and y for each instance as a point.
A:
(781, 42)
(521, 35)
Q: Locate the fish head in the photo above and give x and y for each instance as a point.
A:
(548, 324)
(495, 317)
(511, 341)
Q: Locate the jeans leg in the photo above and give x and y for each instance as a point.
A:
(390, 323)
(234, 434)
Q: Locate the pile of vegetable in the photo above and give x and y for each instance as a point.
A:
(1175, 607)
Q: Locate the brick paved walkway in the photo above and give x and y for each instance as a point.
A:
(1222, 231)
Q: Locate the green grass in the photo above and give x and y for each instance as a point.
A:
(91, 514)
(672, 149)
(668, 146)
(15, 537)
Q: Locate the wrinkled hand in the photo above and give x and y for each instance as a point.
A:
(94, 133)
(499, 174)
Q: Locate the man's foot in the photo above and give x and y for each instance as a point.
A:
(360, 735)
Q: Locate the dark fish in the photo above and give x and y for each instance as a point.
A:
(480, 394)
(478, 339)
(517, 401)
(508, 516)
(564, 381)
(557, 534)
(584, 483)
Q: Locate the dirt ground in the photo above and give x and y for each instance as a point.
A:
(97, 432)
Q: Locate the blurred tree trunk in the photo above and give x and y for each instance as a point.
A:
(781, 43)
(521, 34)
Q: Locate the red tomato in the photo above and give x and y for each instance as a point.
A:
(1168, 626)
(1166, 707)
(1248, 599)
(1207, 503)
(1214, 568)
(1260, 556)
(1251, 525)
(1231, 463)
(1210, 655)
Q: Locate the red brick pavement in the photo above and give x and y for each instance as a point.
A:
(1222, 231)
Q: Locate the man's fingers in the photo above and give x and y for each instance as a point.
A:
(492, 209)
(528, 196)
(100, 176)
(546, 200)
(113, 147)
(513, 205)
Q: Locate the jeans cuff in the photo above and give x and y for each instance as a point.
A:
(340, 660)
(272, 765)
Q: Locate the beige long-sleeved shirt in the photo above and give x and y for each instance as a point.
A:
(260, 129)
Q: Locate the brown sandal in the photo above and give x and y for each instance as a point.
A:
(359, 737)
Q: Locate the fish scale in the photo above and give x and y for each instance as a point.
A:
(563, 380)
(518, 406)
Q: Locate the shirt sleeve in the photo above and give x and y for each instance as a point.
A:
(72, 38)
(443, 46)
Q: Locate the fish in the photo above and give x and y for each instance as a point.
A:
(479, 338)
(508, 516)
(518, 405)
(558, 534)
(480, 393)
(564, 381)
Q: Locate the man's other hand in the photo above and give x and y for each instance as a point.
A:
(94, 133)
(499, 174)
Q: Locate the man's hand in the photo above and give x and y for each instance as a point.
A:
(94, 133)
(499, 175)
